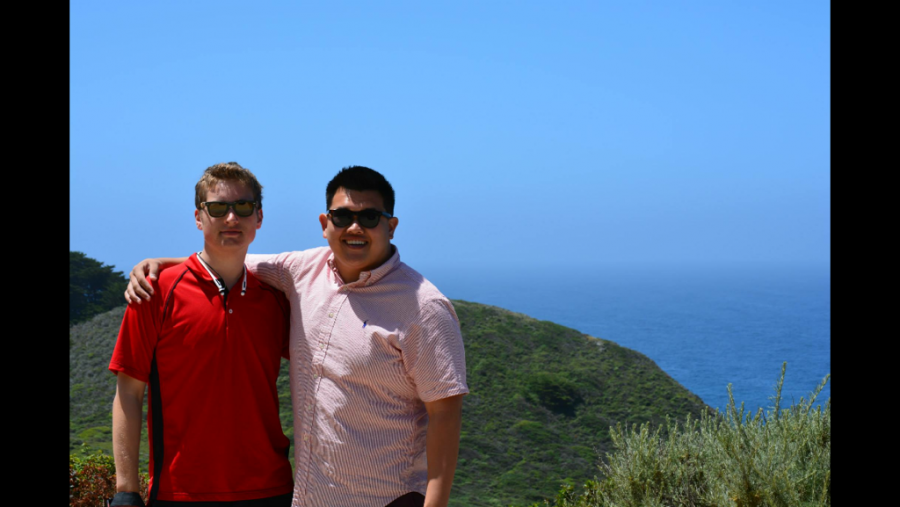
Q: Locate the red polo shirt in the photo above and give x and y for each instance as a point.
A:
(211, 364)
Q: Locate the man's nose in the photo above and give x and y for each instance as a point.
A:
(354, 225)
(230, 215)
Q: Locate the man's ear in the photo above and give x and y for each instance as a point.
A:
(392, 224)
(197, 219)
(323, 220)
(260, 216)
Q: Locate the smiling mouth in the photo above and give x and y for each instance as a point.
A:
(357, 243)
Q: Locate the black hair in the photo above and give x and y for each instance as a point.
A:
(361, 179)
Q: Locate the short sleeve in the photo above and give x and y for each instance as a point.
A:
(433, 352)
(286, 325)
(138, 336)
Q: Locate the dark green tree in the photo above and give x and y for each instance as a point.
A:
(93, 287)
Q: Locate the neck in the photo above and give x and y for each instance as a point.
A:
(350, 274)
(229, 267)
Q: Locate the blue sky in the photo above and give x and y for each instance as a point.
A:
(516, 134)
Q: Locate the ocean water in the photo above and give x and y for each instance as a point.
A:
(706, 327)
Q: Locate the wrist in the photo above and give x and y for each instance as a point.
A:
(126, 498)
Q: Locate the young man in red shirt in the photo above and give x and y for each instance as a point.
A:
(208, 351)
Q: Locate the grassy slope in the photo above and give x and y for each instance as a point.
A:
(542, 400)
(518, 442)
(91, 385)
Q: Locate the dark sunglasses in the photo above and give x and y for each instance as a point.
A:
(219, 209)
(368, 218)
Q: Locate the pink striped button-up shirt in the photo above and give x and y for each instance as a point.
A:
(364, 357)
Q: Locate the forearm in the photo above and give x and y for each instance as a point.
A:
(126, 433)
(167, 262)
(442, 449)
(139, 287)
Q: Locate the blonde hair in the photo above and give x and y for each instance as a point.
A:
(227, 171)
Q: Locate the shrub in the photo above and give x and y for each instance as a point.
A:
(774, 458)
(92, 478)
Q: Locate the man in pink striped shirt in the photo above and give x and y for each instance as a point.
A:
(377, 362)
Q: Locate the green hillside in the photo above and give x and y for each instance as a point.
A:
(543, 398)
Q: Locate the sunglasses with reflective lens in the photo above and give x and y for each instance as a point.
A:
(368, 218)
(219, 209)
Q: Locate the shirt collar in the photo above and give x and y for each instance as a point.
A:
(367, 278)
(194, 264)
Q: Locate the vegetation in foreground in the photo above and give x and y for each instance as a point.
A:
(777, 458)
(92, 478)
(781, 457)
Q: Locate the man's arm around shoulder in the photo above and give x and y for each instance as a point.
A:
(139, 284)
